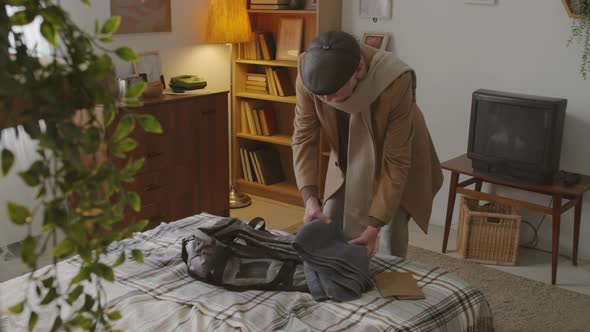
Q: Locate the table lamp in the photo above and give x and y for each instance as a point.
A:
(228, 23)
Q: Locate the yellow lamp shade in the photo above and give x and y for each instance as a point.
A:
(228, 22)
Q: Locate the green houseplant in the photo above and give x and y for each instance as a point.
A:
(579, 11)
(65, 102)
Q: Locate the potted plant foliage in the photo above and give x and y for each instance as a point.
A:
(579, 11)
(65, 102)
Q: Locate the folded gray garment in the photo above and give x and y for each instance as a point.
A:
(333, 268)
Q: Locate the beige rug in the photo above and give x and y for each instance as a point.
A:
(518, 304)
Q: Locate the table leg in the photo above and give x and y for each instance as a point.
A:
(577, 217)
(556, 216)
(450, 207)
(478, 185)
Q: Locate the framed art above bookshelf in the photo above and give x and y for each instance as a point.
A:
(263, 85)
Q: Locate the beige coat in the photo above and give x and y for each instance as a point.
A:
(407, 170)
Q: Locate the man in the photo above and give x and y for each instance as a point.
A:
(383, 168)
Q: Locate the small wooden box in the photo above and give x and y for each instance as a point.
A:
(488, 233)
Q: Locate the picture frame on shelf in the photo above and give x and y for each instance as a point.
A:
(289, 38)
(378, 40)
(149, 65)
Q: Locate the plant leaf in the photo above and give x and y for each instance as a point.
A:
(135, 166)
(18, 213)
(127, 54)
(119, 260)
(75, 294)
(137, 255)
(106, 272)
(150, 123)
(33, 318)
(124, 128)
(48, 282)
(127, 144)
(134, 201)
(138, 226)
(27, 251)
(49, 32)
(51, 295)
(17, 308)
(64, 248)
(111, 25)
(135, 90)
(114, 315)
(88, 303)
(7, 161)
(22, 17)
(56, 324)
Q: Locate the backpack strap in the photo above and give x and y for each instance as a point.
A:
(257, 221)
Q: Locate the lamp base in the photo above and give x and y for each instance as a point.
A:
(238, 200)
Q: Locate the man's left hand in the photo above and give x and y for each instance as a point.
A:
(367, 239)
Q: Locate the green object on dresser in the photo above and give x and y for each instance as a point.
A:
(187, 82)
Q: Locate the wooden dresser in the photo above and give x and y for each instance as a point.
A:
(186, 168)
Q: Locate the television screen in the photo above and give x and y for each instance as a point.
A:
(510, 132)
(515, 136)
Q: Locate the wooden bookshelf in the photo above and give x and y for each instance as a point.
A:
(326, 17)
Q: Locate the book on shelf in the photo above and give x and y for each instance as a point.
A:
(257, 119)
(256, 89)
(243, 119)
(269, 7)
(250, 118)
(256, 83)
(245, 167)
(270, 165)
(266, 43)
(255, 77)
(272, 88)
(283, 82)
(270, 120)
(256, 166)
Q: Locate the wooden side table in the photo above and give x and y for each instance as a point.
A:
(573, 194)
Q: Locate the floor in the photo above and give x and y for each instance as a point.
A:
(532, 264)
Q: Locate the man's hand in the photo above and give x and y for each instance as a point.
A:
(313, 211)
(367, 239)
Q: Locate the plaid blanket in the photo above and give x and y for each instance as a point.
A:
(160, 296)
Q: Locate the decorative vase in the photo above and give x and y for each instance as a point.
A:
(153, 89)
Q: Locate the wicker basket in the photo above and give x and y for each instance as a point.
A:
(488, 233)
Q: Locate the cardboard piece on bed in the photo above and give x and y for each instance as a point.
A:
(399, 284)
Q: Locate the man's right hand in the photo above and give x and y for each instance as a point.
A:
(313, 211)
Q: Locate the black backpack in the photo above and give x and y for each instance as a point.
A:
(243, 256)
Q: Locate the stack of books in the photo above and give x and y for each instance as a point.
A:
(257, 119)
(261, 165)
(262, 46)
(256, 83)
(279, 82)
(269, 4)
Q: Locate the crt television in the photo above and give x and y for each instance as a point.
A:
(516, 137)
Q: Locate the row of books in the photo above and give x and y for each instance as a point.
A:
(257, 119)
(262, 46)
(261, 165)
(269, 4)
(275, 81)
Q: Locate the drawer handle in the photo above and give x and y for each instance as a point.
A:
(152, 187)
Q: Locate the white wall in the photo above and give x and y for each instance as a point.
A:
(182, 51)
(517, 46)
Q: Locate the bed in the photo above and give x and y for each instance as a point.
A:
(160, 296)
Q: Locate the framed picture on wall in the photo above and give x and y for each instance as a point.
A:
(142, 16)
(375, 9)
(148, 66)
(289, 38)
(377, 40)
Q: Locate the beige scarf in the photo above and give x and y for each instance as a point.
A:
(385, 67)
